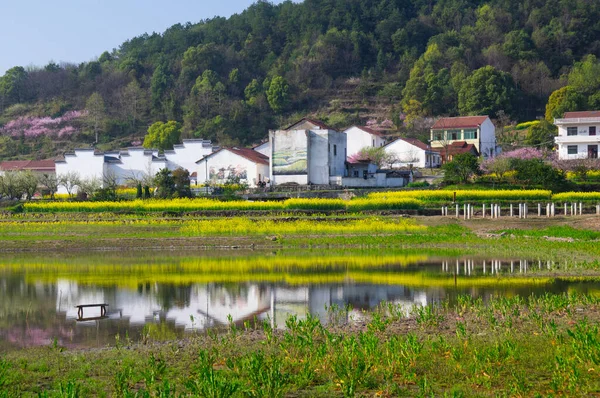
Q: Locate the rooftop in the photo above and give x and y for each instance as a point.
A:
(316, 123)
(459, 122)
(581, 114)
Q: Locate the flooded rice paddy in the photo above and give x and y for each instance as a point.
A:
(162, 295)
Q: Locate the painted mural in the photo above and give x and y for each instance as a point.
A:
(290, 153)
(223, 173)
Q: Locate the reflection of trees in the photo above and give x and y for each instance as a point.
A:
(169, 296)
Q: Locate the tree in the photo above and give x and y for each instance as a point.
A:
(29, 183)
(278, 94)
(376, 155)
(70, 180)
(165, 185)
(536, 172)
(541, 135)
(565, 99)
(134, 103)
(163, 135)
(461, 169)
(89, 186)
(486, 92)
(96, 113)
(50, 182)
(181, 183)
(13, 86)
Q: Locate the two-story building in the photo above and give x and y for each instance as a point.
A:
(476, 130)
(578, 135)
(410, 152)
(359, 137)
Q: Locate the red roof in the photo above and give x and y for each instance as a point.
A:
(415, 142)
(459, 122)
(247, 153)
(250, 154)
(456, 148)
(314, 122)
(575, 115)
(370, 131)
(34, 165)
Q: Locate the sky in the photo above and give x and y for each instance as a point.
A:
(35, 32)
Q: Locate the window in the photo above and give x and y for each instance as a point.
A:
(571, 130)
(355, 173)
(470, 134)
(329, 148)
(334, 150)
(454, 135)
(373, 142)
(572, 149)
(365, 174)
(592, 130)
(438, 135)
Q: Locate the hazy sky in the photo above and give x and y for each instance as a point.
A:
(34, 32)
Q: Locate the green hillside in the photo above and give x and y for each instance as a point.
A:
(345, 61)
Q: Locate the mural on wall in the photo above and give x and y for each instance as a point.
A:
(222, 173)
(290, 153)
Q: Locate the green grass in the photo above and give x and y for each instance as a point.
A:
(516, 346)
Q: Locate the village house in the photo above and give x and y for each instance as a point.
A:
(35, 166)
(359, 137)
(130, 165)
(578, 135)
(410, 152)
(307, 152)
(478, 131)
(448, 152)
(234, 164)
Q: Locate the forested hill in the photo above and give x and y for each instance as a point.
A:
(345, 61)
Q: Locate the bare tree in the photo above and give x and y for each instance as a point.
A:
(70, 181)
(110, 182)
(50, 182)
(90, 186)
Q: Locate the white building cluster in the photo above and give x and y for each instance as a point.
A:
(306, 153)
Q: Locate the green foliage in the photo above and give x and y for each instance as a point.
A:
(541, 135)
(536, 172)
(278, 94)
(163, 135)
(461, 169)
(486, 92)
(563, 100)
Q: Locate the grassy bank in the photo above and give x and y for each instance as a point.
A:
(519, 346)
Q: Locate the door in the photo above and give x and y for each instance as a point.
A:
(593, 151)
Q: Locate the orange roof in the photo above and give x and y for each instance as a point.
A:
(459, 122)
(575, 115)
(456, 148)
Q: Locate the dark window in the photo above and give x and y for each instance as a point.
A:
(572, 149)
(571, 130)
(329, 148)
(355, 173)
(334, 150)
(454, 135)
(365, 174)
(373, 142)
(592, 130)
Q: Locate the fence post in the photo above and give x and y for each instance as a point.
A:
(483, 212)
(457, 212)
(511, 210)
(465, 211)
(580, 208)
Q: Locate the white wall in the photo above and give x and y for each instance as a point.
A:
(337, 158)
(233, 164)
(264, 148)
(83, 162)
(358, 139)
(487, 139)
(187, 154)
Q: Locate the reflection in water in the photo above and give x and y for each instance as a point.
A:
(38, 308)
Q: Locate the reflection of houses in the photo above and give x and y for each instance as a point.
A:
(578, 135)
(133, 164)
(360, 137)
(307, 152)
(243, 164)
(410, 152)
(478, 131)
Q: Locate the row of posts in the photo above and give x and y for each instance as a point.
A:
(520, 211)
(493, 266)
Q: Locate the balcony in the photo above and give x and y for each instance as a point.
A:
(577, 139)
(578, 120)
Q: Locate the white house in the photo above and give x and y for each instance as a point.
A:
(264, 148)
(412, 152)
(577, 135)
(476, 130)
(307, 152)
(244, 164)
(133, 164)
(359, 137)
